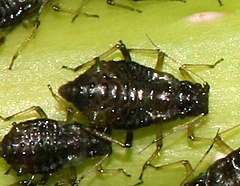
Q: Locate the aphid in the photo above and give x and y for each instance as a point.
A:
(13, 12)
(43, 146)
(132, 95)
(126, 95)
(224, 171)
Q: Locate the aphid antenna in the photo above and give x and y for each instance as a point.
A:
(104, 136)
(29, 37)
(173, 130)
(76, 13)
(24, 44)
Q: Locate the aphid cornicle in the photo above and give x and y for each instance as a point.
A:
(43, 146)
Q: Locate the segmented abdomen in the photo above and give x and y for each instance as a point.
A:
(13, 11)
(124, 95)
(223, 172)
(44, 145)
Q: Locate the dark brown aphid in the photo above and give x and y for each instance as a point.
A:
(224, 171)
(126, 95)
(43, 146)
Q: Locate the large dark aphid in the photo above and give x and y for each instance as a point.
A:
(126, 95)
(42, 146)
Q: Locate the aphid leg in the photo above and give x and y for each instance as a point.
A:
(113, 3)
(76, 13)
(2, 39)
(68, 178)
(189, 125)
(107, 136)
(220, 3)
(36, 109)
(191, 172)
(24, 183)
(188, 74)
(32, 182)
(99, 168)
(29, 37)
(23, 45)
(129, 138)
(154, 154)
(190, 129)
(120, 46)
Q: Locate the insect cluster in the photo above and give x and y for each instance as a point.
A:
(112, 95)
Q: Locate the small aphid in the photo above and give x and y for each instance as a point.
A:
(43, 146)
(224, 171)
(126, 95)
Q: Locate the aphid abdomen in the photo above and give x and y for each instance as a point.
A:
(13, 11)
(123, 95)
(224, 172)
(84, 144)
(35, 146)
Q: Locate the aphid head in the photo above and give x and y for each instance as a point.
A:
(74, 94)
(193, 99)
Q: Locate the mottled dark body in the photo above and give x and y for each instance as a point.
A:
(223, 172)
(44, 145)
(13, 12)
(126, 95)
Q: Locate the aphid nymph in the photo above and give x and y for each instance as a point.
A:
(43, 146)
